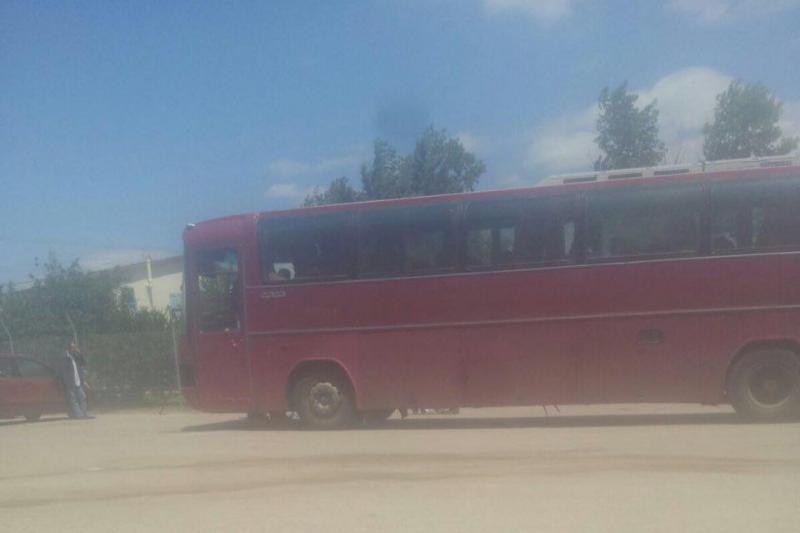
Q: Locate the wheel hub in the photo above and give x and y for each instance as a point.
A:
(771, 386)
(324, 399)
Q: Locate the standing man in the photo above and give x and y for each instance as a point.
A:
(73, 377)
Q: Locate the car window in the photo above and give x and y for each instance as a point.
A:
(32, 369)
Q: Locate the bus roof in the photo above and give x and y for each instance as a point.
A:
(700, 167)
(553, 182)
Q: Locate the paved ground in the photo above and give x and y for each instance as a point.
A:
(612, 468)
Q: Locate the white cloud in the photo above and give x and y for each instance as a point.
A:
(104, 259)
(471, 143)
(686, 100)
(286, 191)
(511, 181)
(566, 143)
(288, 176)
(717, 11)
(545, 12)
(290, 168)
(285, 168)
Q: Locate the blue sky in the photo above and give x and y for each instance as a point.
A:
(120, 122)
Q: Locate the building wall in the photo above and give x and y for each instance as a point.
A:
(166, 284)
(164, 288)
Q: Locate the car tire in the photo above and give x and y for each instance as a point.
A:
(765, 385)
(324, 400)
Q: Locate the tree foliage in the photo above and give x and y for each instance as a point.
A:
(439, 164)
(627, 136)
(382, 178)
(339, 192)
(746, 124)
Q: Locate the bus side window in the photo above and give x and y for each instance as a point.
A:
(218, 289)
(521, 233)
(406, 241)
(491, 232)
(547, 231)
(755, 215)
(304, 248)
(428, 240)
(380, 243)
(479, 247)
(643, 221)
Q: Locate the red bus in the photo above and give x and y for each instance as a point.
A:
(666, 284)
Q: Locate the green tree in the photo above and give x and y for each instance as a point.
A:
(339, 192)
(627, 136)
(439, 164)
(382, 178)
(746, 124)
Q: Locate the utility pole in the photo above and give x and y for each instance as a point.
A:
(175, 314)
(148, 262)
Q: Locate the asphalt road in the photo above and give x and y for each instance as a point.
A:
(610, 468)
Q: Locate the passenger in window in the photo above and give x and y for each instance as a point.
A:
(281, 275)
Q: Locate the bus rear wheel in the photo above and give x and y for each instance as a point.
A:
(324, 400)
(765, 385)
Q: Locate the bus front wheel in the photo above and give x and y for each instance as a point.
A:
(765, 385)
(324, 401)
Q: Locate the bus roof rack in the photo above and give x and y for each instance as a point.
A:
(672, 170)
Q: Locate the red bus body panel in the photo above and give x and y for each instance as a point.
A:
(572, 334)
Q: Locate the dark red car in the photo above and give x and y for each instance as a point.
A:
(29, 388)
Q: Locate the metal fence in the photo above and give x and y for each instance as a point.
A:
(122, 368)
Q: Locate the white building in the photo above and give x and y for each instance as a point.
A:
(155, 284)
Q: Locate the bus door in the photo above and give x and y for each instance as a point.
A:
(219, 348)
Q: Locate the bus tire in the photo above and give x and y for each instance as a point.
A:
(324, 400)
(376, 416)
(33, 417)
(765, 385)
